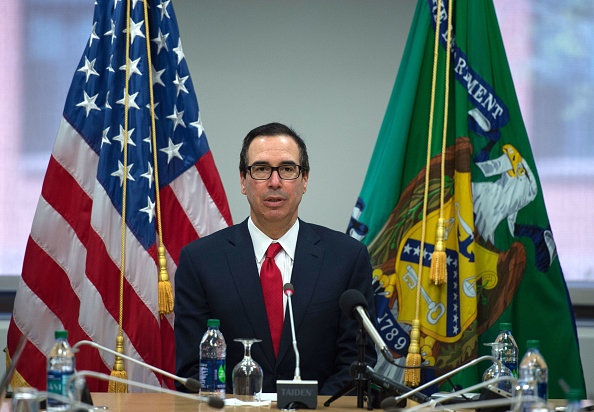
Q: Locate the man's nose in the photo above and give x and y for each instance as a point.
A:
(274, 178)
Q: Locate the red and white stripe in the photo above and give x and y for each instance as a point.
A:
(71, 270)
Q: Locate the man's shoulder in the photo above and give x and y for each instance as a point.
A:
(216, 238)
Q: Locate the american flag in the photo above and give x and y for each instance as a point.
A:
(71, 269)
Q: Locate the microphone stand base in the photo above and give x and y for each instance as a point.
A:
(292, 394)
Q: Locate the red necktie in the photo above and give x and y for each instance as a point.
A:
(272, 287)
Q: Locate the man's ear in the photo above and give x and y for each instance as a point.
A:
(242, 183)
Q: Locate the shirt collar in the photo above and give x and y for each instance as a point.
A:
(261, 242)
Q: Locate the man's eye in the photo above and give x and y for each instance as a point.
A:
(288, 168)
(259, 169)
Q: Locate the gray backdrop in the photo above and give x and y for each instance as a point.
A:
(324, 67)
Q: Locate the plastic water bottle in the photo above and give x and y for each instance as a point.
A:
(533, 377)
(213, 353)
(574, 400)
(60, 366)
(509, 354)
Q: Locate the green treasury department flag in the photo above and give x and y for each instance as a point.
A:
(500, 255)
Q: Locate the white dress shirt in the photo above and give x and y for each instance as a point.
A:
(284, 259)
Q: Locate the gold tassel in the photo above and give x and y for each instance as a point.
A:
(118, 370)
(165, 289)
(412, 374)
(439, 273)
(17, 380)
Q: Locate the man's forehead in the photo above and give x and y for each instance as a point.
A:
(274, 145)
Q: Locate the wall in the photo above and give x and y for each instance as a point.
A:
(326, 68)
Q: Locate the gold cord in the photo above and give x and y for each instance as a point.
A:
(412, 374)
(439, 274)
(118, 369)
(165, 289)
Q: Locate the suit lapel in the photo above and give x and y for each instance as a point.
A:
(244, 272)
(306, 270)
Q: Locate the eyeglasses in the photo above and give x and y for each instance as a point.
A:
(285, 172)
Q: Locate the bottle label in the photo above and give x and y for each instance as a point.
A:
(212, 375)
(57, 382)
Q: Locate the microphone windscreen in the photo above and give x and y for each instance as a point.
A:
(349, 300)
(193, 385)
(215, 402)
(288, 287)
(390, 403)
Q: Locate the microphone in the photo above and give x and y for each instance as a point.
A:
(353, 304)
(392, 402)
(192, 384)
(288, 290)
(296, 393)
(74, 404)
(212, 401)
(477, 405)
(392, 386)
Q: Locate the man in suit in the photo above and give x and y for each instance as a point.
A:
(218, 276)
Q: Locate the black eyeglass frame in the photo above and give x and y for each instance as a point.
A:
(272, 169)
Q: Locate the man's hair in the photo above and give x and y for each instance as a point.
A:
(273, 129)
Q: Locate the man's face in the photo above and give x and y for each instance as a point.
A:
(273, 202)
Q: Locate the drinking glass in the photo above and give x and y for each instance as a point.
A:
(247, 375)
(498, 369)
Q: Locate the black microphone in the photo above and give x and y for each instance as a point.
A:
(296, 393)
(452, 399)
(192, 384)
(353, 304)
(212, 401)
(394, 387)
(393, 402)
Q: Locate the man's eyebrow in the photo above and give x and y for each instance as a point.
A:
(283, 163)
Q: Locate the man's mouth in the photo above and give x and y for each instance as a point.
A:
(274, 200)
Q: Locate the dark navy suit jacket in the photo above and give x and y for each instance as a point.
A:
(217, 277)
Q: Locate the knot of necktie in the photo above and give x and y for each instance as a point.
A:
(273, 250)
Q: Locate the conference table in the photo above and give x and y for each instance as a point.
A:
(160, 402)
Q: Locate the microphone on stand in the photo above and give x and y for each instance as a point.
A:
(288, 290)
(392, 402)
(192, 384)
(212, 401)
(296, 393)
(477, 405)
(391, 386)
(354, 305)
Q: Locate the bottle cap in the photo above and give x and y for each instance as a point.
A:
(61, 334)
(533, 344)
(505, 326)
(213, 323)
